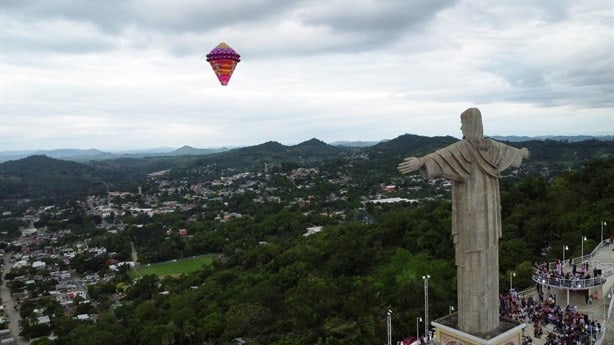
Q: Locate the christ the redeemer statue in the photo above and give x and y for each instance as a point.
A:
(473, 166)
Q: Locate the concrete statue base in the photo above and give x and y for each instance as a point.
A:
(509, 332)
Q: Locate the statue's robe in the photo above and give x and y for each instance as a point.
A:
(476, 224)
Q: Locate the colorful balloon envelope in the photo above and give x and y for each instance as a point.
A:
(223, 60)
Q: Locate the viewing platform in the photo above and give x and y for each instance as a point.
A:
(571, 284)
(594, 278)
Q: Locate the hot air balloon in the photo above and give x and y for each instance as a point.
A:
(223, 60)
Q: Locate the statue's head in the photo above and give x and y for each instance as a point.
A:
(471, 120)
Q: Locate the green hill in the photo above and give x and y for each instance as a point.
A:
(409, 145)
(42, 177)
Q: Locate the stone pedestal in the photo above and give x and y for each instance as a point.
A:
(447, 333)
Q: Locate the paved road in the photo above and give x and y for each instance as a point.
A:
(11, 314)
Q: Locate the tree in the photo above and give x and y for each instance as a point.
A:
(144, 288)
(246, 320)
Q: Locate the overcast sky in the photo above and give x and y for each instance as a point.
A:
(118, 75)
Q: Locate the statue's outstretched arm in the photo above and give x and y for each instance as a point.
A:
(410, 164)
(525, 153)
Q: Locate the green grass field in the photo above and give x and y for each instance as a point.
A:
(175, 267)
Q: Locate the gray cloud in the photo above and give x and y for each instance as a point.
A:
(53, 36)
(113, 25)
(125, 74)
(163, 16)
(585, 80)
(337, 26)
(389, 18)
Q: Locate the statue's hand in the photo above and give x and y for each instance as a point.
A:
(525, 153)
(410, 164)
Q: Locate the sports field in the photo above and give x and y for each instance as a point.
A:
(173, 267)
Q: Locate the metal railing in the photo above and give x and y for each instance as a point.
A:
(606, 321)
(578, 260)
(572, 284)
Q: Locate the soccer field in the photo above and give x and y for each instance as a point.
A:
(174, 267)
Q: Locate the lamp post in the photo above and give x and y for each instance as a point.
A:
(605, 307)
(602, 224)
(565, 248)
(451, 309)
(512, 275)
(583, 239)
(426, 302)
(389, 324)
(418, 320)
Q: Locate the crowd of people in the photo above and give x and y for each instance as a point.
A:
(568, 325)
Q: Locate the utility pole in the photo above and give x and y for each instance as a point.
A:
(426, 303)
(389, 324)
(418, 320)
(512, 275)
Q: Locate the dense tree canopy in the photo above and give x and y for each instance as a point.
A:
(334, 287)
(272, 285)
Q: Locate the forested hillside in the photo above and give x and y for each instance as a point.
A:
(44, 177)
(334, 287)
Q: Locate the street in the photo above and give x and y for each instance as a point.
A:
(12, 315)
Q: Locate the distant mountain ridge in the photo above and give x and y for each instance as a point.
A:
(411, 144)
(84, 155)
(189, 150)
(39, 176)
(79, 155)
(356, 143)
(273, 152)
(59, 154)
(317, 148)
